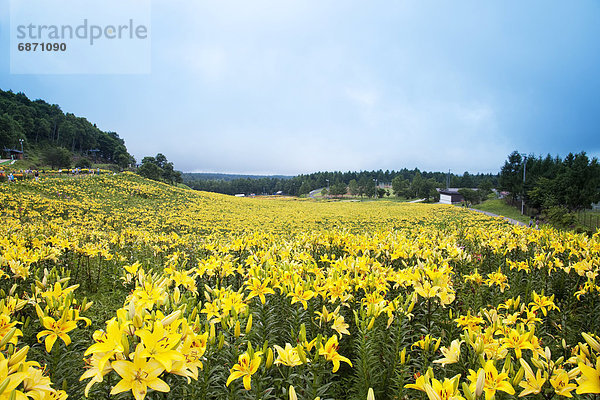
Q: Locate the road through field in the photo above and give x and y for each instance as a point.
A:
(512, 221)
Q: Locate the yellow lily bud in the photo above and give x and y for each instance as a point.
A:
(4, 385)
(585, 350)
(412, 306)
(467, 392)
(537, 363)
(591, 341)
(431, 394)
(212, 334)
(221, 341)
(292, 393)
(249, 324)
(403, 356)
(125, 343)
(507, 364)
(518, 376)
(370, 394)
(169, 319)
(176, 295)
(39, 312)
(269, 360)
(87, 305)
(131, 310)
(480, 383)
(236, 330)
(8, 337)
(301, 353)
(18, 357)
(479, 347)
(137, 322)
(302, 335)
(371, 323)
(559, 362)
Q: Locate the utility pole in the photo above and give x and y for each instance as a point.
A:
(523, 195)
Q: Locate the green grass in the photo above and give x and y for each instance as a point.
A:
(499, 207)
(589, 218)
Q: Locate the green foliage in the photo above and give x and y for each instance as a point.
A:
(560, 217)
(367, 187)
(572, 183)
(43, 125)
(471, 196)
(511, 175)
(84, 163)
(353, 187)
(159, 169)
(338, 189)
(400, 186)
(58, 157)
(305, 188)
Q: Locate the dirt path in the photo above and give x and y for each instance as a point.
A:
(512, 221)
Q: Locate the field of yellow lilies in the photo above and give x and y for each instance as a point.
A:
(116, 287)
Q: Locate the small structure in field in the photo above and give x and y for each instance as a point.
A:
(451, 196)
(13, 154)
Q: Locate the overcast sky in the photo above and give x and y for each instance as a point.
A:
(296, 86)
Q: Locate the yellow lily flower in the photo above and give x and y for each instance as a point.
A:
(446, 390)
(331, 354)
(420, 382)
(543, 303)
(139, 375)
(532, 383)
(517, 341)
(451, 355)
(158, 345)
(301, 295)
(54, 330)
(245, 368)
(560, 383)
(589, 381)
(258, 288)
(288, 356)
(340, 326)
(493, 381)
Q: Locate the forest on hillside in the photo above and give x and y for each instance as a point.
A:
(42, 126)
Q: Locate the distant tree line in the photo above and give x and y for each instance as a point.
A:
(553, 185)
(364, 183)
(44, 126)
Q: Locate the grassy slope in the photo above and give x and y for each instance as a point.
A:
(498, 206)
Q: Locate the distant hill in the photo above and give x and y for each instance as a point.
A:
(43, 126)
(209, 176)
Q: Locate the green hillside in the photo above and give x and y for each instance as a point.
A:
(42, 126)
